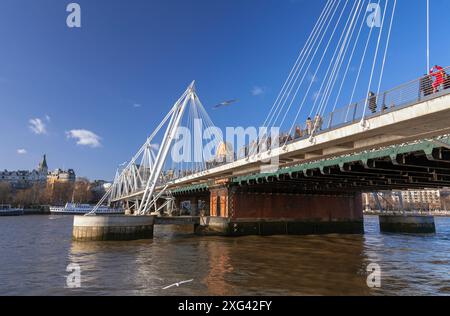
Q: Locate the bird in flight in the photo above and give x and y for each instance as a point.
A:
(226, 103)
(177, 284)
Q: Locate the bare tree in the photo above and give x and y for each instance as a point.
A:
(5, 193)
(58, 193)
(82, 191)
(61, 193)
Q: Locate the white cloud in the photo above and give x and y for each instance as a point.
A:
(21, 151)
(256, 91)
(137, 105)
(37, 126)
(48, 118)
(85, 137)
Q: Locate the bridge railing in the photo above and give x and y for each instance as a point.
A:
(421, 89)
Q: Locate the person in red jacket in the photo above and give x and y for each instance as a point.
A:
(438, 73)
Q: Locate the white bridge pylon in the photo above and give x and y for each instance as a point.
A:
(143, 172)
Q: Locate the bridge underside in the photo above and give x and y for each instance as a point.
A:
(415, 170)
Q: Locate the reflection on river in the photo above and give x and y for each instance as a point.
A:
(35, 251)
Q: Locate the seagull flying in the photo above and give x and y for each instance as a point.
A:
(226, 103)
(177, 284)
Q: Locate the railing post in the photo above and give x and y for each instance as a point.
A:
(354, 112)
(331, 120)
(419, 97)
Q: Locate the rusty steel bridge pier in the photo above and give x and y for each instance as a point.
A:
(236, 210)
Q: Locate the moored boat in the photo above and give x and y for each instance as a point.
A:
(7, 210)
(82, 209)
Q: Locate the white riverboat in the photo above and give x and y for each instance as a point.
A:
(82, 209)
(7, 210)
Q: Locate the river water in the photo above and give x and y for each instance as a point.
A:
(35, 252)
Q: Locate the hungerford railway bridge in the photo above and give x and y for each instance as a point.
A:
(307, 181)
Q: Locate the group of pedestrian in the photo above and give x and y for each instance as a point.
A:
(373, 103)
(314, 126)
(311, 126)
(436, 80)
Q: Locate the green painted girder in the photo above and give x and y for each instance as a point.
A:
(191, 188)
(392, 152)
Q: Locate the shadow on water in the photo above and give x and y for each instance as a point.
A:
(36, 251)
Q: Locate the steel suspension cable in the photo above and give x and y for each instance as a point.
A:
(299, 60)
(317, 69)
(334, 61)
(299, 69)
(338, 66)
(348, 28)
(349, 61)
(310, 63)
(374, 62)
(387, 47)
(363, 58)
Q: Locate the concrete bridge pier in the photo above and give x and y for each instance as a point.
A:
(112, 228)
(407, 224)
(239, 211)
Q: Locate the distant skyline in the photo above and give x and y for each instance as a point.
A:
(37, 164)
(89, 97)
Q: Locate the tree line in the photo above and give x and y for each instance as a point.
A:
(82, 191)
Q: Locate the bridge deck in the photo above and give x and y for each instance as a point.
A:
(400, 125)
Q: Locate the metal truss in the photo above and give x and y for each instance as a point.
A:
(142, 173)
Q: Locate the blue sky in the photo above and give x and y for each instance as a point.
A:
(119, 74)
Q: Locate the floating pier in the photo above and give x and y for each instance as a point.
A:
(407, 224)
(112, 228)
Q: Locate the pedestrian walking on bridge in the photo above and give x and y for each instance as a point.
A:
(438, 73)
(372, 102)
(309, 126)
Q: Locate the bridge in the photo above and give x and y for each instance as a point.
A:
(406, 146)
(310, 178)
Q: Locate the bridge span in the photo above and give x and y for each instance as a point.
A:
(386, 131)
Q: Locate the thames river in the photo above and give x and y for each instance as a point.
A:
(35, 252)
